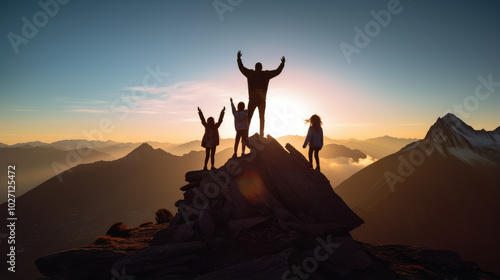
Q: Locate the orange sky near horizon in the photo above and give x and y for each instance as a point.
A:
(169, 114)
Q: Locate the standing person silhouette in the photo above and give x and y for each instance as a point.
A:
(258, 82)
(241, 126)
(210, 139)
(315, 139)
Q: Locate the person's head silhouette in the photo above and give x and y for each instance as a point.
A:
(241, 106)
(211, 121)
(315, 121)
(258, 66)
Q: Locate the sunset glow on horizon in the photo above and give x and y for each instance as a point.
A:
(137, 72)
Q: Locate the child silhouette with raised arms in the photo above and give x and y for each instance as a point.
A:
(241, 126)
(314, 139)
(211, 137)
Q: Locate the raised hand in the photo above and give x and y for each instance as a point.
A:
(224, 109)
(199, 110)
(231, 99)
(239, 54)
(282, 59)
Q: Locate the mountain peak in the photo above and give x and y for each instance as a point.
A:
(143, 150)
(456, 123)
(144, 146)
(455, 137)
(450, 116)
(445, 132)
(478, 138)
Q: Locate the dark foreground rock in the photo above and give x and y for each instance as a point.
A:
(262, 216)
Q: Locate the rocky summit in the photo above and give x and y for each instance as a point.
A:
(264, 215)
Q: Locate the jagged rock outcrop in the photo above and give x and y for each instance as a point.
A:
(262, 216)
(269, 182)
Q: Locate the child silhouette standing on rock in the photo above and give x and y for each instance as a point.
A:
(314, 139)
(211, 137)
(241, 126)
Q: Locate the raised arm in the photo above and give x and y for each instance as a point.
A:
(202, 118)
(277, 71)
(232, 106)
(221, 117)
(245, 71)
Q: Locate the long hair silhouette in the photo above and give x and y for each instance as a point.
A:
(314, 121)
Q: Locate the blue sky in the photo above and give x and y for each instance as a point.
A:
(79, 67)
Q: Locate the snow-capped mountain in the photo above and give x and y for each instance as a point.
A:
(478, 138)
(454, 138)
(442, 192)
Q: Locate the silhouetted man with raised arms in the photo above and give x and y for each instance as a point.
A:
(258, 82)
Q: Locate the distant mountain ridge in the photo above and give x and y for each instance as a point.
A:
(58, 156)
(375, 147)
(378, 147)
(35, 165)
(32, 144)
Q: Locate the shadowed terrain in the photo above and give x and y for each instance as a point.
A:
(262, 216)
(441, 192)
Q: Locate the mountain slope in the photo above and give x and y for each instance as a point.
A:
(441, 192)
(63, 214)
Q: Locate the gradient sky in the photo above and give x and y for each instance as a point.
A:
(87, 64)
